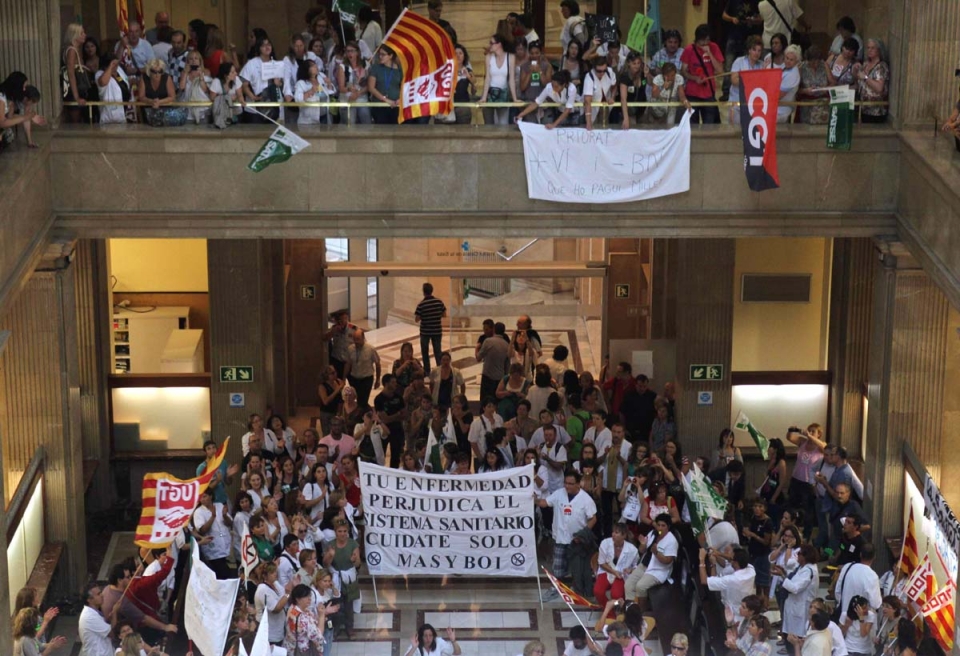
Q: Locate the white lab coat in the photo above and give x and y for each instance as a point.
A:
(803, 589)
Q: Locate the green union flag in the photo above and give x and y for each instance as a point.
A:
(840, 125)
(348, 10)
(744, 424)
(279, 147)
(705, 500)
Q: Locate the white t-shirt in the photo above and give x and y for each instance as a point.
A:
(313, 491)
(722, 534)
(442, 647)
(233, 94)
(94, 633)
(161, 50)
(667, 546)
(628, 558)
(566, 98)
(860, 644)
(312, 115)
(570, 516)
(858, 579)
(287, 568)
(268, 597)
(563, 437)
(598, 88)
(269, 437)
(570, 650)
(601, 440)
(111, 93)
(788, 87)
(252, 72)
(557, 453)
(574, 28)
(772, 24)
(219, 531)
(733, 588)
(837, 641)
(480, 427)
(541, 491)
(290, 68)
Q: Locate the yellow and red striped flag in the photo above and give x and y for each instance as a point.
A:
(921, 583)
(426, 56)
(568, 595)
(939, 613)
(168, 503)
(123, 16)
(910, 554)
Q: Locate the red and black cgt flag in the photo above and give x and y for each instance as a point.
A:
(759, 99)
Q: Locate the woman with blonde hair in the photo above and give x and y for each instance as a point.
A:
(158, 90)
(534, 648)
(195, 84)
(74, 76)
(25, 642)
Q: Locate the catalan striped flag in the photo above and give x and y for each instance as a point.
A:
(168, 503)
(567, 594)
(938, 611)
(920, 585)
(427, 58)
(123, 15)
(910, 554)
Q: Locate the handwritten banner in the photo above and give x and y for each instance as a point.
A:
(428, 524)
(948, 528)
(573, 165)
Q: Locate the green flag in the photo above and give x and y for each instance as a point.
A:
(704, 499)
(279, 147)
(639, 30)
(840, 126)
(743, 424)
(348, 10)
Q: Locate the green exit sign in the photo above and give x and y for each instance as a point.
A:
(236, 374)
(706, 372)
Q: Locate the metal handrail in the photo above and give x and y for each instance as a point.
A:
(464, 105)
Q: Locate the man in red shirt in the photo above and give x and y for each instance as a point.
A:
(702, 61)
(616, 387)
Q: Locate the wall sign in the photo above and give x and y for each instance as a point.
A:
(308, 292)
(704, 398)
(706, 372)
(237, 400)
(236, 374)
(621, 291)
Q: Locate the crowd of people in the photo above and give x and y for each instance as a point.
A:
(333, 60)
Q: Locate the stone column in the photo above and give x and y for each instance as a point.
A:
(242, 332)
(6, 626)
(705, 291)
(30, 35)
(307, 319)
(93, 340)
(851, 307)
(40, 406)
(906, 385)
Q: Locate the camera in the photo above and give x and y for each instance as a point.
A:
(194, 67)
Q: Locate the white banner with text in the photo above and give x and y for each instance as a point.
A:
(427, 524)
(575, 165)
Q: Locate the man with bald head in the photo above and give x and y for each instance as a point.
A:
(362, 367)
(162, 19)
(525, 323)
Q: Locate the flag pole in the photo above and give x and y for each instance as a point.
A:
(569, 605)
(376, 597)
(539, 591)
(279, 125)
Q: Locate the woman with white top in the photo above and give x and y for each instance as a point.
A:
(499, 84)
(783, 562)
(227, 81)
(778, 50)
(241, 519)
(297, 54)
(257, 88)
(368, 30)
(256, 489)
(617, 558)
(315, 496)
(277, 524)
(113, 86)
(790, 82)
(427, 643)
(195, 87)
(749, 62)
(352, 82)
(561, 91)
(270, 595)
(312, 86)
(481, 430)
(802, 588)
(858, 626)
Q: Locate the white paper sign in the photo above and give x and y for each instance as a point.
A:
(574, 165)
(208, 610)
(271, 70)
(430, 524)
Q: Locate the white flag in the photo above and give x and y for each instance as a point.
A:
(261, 642)
(208, 610)
(248, 552)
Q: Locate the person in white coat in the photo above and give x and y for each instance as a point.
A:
(573, 511)
(801, 587)
(617, 558)
(94, 630)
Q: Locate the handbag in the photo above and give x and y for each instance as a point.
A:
(84, 85)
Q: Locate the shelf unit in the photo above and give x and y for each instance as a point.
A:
(140, 335)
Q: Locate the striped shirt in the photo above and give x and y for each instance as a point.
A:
(431, 310)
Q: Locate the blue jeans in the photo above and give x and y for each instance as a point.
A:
(425, 342)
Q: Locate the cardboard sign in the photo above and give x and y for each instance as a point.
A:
(602, 27)
(639, 31)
